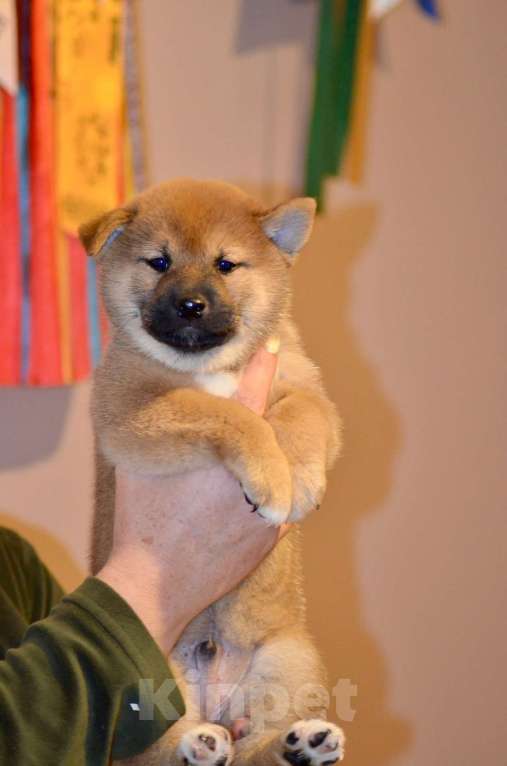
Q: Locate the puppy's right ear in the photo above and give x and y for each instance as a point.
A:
(101, 231)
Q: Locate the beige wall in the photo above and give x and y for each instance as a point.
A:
(401, 299)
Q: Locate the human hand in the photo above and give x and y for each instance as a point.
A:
(180, 543)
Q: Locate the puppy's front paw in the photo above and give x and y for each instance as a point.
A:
(308, 488)
(206, 745)
(268, 491)
(313, 743)
(275, 516)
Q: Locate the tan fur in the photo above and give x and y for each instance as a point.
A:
(151, 413)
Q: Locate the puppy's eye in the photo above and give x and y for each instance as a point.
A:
(161, 263)
(225, 266)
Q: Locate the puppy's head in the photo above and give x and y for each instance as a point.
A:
(196, 273)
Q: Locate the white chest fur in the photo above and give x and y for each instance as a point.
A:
(218, 383)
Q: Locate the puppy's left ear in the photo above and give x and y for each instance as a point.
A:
(100, 232)
(289, 226)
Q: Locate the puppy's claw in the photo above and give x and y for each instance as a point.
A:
(255, 508)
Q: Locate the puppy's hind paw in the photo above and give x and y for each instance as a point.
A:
(206, 745)
(313, 743)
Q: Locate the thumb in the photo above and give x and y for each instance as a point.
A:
(255, 383)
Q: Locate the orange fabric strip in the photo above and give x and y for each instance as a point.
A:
(45, 367)
(354, 162)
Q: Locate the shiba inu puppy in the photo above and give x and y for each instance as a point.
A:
(195, 278)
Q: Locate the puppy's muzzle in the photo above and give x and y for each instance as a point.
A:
(190, 323)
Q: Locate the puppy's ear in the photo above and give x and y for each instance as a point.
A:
(289, 226)
(100, 232)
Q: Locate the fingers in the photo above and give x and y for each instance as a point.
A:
(256, 380)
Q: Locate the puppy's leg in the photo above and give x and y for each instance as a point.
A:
(187, 743)
(305, 743)
(312, 742)
(185, 429)
(190, 740)
(307, 429)
(288, 692)
(203, 745)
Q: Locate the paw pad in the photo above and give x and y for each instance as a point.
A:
(314, 743)
(319, 738)
(292, 738)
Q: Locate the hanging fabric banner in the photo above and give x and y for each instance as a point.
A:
(10, 262)
(89, 110)
(46, 288)
(429, 7)
(89, 131)
(344, 61)
(355, 150)
(339, 25)
(23, 147)
(65, 156)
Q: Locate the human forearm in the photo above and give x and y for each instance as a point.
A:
(68, 694)
(180, 544)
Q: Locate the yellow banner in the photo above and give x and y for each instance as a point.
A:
(89, 108)
(354, 161)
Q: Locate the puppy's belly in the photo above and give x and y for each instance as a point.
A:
(211, 672)
(218, 383)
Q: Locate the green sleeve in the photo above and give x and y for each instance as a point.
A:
(70, 688)
(28, 591)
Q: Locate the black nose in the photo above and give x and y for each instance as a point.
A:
(191, 308)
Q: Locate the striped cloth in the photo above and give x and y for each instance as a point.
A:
(64, 156)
